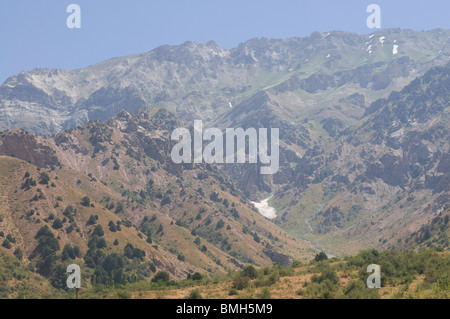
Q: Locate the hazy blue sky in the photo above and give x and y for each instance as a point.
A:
(33, 33)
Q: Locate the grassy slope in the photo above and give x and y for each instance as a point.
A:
(417, 275)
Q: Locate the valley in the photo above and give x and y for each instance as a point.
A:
(88, 176)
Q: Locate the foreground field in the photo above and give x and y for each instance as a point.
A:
(417, 275)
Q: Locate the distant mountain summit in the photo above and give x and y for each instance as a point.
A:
(200, 81)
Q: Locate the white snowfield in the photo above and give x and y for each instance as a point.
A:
(265, 209)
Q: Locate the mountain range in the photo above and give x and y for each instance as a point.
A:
(364, 152)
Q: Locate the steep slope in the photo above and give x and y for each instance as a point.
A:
(383, 179)
(186, 219)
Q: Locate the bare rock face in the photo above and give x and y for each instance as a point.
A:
(281, 259)
(18, 143)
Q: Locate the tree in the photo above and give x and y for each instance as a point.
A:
(92, 220)
(86, 201)
(220, 224)
(11, 239)
(68, 252)
(47, 247)
(112, 227)
(321, 256)
(214, 197)
(250, 272)
(6, 244)
(57, 224)
(197, 276)
(18, 253)
(161, 276)
(119, 208)
(44, 178)
(98, 230)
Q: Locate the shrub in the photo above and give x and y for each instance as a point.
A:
(220, 224)
(161, 276)
(265, 294)
(86, 201)
(250, 272)
(92, 220)
(18, 253)
(57, 224)
(358, 290)
(240, 283)
(232, 292)
(112, 227)
(98, 230)
(11, 239)
(197, 276)
(119, 208)
(321, 256)
(6, 244)
(330, 275)
(194, 294)
(44, 178)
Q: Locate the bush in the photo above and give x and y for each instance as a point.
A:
(57, 224)
(250, 272)
(92, 220)
(220, 224)
(11, 239)
(112, 227)
(321, 256)
(98, 230)
(161, 276)
(6, 244)
(240, 283)
(194, 294)
(197, 276)
(18, 253)
(44, 178)
(330, 275)
(86, 201)
(358, 290)
(265, 294)
(119, 208)
(232, 292)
